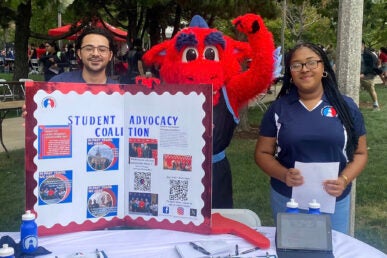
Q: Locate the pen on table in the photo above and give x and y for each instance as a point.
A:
(199, 248)
(250, 250)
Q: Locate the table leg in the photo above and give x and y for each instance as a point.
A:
(2, 116)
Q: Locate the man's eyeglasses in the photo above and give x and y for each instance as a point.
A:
(311, 65)
(89, 49)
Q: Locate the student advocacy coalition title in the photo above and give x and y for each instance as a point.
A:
(106, 124)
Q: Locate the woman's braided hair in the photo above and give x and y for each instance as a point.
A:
(331, 91)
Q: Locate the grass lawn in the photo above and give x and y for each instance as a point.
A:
(251, 186)
(35, 77)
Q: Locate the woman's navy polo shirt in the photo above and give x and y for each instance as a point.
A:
(308, 136)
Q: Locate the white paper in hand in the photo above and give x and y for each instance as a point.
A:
(314, 175)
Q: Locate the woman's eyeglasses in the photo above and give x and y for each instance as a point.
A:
(311, 65)
(89, 49)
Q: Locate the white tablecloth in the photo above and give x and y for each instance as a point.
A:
(161, 243)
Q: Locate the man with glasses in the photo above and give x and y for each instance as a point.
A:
(94, 49)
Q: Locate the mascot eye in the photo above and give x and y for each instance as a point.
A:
(190, 54)
(211, 53)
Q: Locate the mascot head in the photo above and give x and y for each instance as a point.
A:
(201, 55)
(198, 55)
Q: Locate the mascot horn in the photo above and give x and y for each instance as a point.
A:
(198, 54)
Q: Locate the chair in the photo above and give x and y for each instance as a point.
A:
(6, 90)
(259, 101)
(35, 66)
(22, 84)
(245, 216)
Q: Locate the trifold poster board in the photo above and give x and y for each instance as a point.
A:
(103, 156)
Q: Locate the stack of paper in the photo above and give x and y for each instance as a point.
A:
(209, 248)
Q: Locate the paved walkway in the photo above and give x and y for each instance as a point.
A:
(13, 134)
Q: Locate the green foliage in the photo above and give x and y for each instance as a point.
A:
(375, 23)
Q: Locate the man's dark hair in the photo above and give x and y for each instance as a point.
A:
(95, 30)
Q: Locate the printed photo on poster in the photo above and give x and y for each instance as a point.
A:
(102, 154)
(55, 187)
(143, 148)
(102, 201)
(54, 141)
(143, 203)
(177, 162)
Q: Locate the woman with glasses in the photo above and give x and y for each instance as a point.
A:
(312, 123)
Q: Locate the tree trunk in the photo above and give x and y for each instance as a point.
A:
(349, 37)
(244, 125)
(22, 34)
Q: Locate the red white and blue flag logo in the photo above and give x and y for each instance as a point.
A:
(329, 111)
(48, 102)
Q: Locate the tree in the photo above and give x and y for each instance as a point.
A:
(375, 23)
(21, 14)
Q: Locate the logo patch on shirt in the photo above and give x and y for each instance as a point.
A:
(329, 111)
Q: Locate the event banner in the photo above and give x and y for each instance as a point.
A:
(107, 156)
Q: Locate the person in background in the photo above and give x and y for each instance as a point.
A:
(94, 49)
(32, 54)
(71, 56)
(135, 65)
(53, 61)
(40, 51)
(368, 74)
(383, 64)
(311, 122)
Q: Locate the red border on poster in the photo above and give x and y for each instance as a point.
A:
(80, 88)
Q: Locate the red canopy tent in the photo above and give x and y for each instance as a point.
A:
(119, 35)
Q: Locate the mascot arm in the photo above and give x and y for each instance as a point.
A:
(156, 55)
(259, 76)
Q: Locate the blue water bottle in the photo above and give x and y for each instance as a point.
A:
(292, 206)
(7, 252)
(314, 207)
(28, 233)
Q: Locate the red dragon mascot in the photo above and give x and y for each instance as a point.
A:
(199, 54)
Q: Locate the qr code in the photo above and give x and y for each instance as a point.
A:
(178, 190)
(142, 181)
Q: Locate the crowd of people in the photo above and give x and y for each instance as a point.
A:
(50, 59)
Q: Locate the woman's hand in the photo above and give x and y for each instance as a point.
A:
(335, 187)
(293, 177)
(24, 110)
